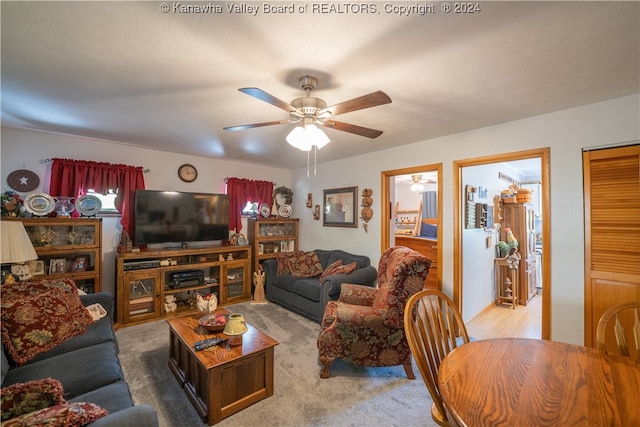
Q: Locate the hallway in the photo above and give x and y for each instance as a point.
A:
(501, 322)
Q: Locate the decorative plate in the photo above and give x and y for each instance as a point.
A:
(284, 211)
(265, 210)
(23, 180)
(39, 204)
(88, 205)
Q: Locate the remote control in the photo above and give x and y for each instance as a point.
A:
(210, 342)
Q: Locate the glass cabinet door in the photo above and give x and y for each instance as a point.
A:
(140, 299)
(61, 236)
(235, 283)
(274, 229)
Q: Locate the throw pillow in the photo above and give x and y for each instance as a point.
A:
(305, 265)
(38, 323)
(282, 258)
(75, 414)
(22, 398)
(330, 269)
(339, 269)
(20, 290)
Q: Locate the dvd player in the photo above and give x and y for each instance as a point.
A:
(139, 265)
(185, 279)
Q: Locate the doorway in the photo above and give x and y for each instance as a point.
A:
(389, 210)
(459, 214)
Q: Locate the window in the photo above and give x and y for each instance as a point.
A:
(250, 209)
(108, 202)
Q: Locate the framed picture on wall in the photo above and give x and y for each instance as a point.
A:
(340, 207)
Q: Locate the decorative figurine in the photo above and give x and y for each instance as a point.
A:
(207, 304)
(170, 304)
(258, 281)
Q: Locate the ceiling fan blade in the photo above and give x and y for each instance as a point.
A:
(264, 96)
(366, 101)
(358, 130)
(256, 125)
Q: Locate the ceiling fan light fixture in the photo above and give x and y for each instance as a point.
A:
(417, 185)
(305, 137)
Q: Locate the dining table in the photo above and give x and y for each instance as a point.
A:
(532, 382)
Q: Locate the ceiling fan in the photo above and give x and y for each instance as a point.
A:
(314, 111)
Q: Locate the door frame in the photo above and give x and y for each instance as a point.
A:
(543, 154)
(387, 208)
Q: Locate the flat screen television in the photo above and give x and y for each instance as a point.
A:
(180, 217)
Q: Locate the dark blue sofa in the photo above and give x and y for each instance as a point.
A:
(87, 365)
(309, 296)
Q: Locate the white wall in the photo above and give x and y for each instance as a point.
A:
(23, 149)
(565, 132)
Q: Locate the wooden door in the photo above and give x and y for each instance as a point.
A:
(612, 231)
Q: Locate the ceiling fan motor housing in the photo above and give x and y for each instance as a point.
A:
(309, 105)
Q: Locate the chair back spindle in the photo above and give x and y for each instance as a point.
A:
(433, 328)
(621, 315)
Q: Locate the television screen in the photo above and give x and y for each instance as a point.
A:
(171, 216)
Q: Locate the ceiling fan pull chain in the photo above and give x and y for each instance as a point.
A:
(315, 152)
(307, 164)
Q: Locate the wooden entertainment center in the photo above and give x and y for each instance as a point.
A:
(144, 279)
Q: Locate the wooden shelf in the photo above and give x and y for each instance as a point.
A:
(268, 236)
(143, 269)
(409, 225)
(67, 240)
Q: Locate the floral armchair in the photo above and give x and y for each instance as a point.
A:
(365, 325)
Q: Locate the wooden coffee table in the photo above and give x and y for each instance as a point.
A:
(220, 381)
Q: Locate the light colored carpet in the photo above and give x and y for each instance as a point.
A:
(353, 396)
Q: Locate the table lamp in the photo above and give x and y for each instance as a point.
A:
(235, 327)
(16, 249)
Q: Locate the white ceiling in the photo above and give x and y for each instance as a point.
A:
(127, 72)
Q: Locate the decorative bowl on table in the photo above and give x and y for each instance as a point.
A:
(214, 322)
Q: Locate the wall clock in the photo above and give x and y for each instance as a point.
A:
(23, 180)
(187, 172)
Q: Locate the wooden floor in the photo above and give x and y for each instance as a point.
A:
(501, 322)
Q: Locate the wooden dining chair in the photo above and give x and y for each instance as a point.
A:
(433, 328)
(622, 336)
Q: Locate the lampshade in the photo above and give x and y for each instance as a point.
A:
(305, 137)
(16, 245)
(235, 325)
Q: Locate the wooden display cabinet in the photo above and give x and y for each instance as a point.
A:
(270, 236)
(67, 248)
(520, 218)
(144, 279)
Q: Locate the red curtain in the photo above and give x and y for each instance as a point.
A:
(240, 192)
(72, 178)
